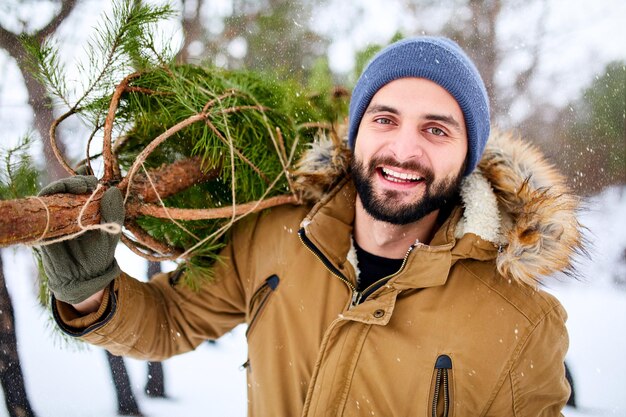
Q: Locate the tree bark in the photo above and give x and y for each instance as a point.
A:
(30, 219)
(11, 376)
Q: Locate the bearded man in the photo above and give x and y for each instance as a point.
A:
(411, 287)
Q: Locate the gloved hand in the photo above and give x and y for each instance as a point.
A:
(80, 267)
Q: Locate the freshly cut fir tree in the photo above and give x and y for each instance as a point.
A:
(194, 149)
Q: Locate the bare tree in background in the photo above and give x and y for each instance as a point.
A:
(475, 25)
(11, 377)
(126, 402)
(193, 30)
(271, 35)
(43, 111)
(155, 385)
(38, 97)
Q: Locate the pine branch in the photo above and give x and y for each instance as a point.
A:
(56, 215)
(18, 176)
(194, 149)
(116, 46)
(44, 63)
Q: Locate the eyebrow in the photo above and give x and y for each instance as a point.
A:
(445, 119)
(377, 108)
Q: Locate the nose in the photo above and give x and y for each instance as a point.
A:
(407, 144)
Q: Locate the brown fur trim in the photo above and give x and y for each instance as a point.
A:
(325, 163)
(544, 232)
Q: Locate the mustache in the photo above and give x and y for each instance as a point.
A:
(390, 161)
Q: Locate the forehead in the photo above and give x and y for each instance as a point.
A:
(418, 94)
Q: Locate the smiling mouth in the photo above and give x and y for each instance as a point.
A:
(399, 177)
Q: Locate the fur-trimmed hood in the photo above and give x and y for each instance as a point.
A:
(515, 199)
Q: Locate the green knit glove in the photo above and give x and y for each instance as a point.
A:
(80, 267)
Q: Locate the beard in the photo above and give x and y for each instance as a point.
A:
(388, 206)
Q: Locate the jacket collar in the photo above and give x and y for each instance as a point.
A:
(329, 226)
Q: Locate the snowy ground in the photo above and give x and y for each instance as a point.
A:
(65, 382)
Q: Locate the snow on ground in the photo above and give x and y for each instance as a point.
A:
(596, 309)
(71, 381)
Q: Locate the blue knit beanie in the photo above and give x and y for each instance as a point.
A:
(440, 60)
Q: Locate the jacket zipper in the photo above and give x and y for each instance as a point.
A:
(376, 285)
(357, 297)
(319, 255)
(270, 285)
(442, 384)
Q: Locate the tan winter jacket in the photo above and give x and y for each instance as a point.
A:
(461, 330)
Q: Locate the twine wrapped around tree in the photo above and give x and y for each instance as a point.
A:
(236, 134)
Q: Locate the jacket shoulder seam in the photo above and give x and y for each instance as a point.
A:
(541, 311)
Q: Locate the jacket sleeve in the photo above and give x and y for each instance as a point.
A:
(158, 319)
(536, 385)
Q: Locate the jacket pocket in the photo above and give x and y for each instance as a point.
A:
(259, 301)
(441, 388)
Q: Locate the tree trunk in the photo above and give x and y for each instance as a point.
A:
(126, 402)
(571, 401)
(155, 386)
(11, 376)
(192, 29)
(30, 219)
(38, 97)
(41, 104)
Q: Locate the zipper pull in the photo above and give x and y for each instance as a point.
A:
(356, 298)
(442, 388)
(443, 362)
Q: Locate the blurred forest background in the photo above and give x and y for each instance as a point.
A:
(555, 71)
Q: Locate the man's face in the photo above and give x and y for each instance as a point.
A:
(410, 151)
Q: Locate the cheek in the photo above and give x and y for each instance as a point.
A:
(449, 161)
(365, 148)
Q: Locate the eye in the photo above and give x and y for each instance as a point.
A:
(383, 120)
(436, 131)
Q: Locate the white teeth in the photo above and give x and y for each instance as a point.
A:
(400, 176)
